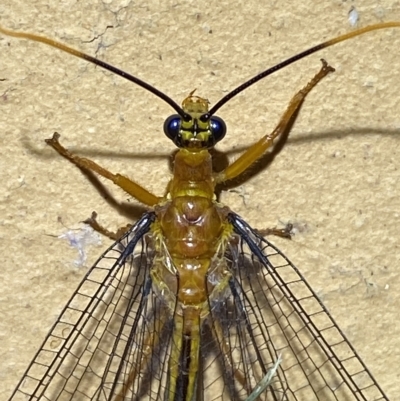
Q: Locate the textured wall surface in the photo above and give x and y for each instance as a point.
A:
(337, 179)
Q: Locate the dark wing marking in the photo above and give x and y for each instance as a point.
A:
(113, 340)
(276, 313)
(97, 343)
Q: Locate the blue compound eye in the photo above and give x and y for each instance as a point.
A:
(172, 126)
(218, 128)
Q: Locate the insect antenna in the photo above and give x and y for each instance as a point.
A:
(293, 59)
(100, 63)
(226, 98)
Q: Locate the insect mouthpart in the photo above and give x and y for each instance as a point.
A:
(200, 130)
(191, 302)
(195, 133)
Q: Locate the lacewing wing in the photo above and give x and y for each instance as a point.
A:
(53, 344)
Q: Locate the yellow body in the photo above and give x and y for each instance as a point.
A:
(191, 233)
(189, 273)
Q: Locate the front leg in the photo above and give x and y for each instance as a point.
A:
(259, 148)
(132, 188)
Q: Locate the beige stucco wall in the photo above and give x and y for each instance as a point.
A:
(337, 179)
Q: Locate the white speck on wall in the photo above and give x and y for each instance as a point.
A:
(80, 239)
(353, 16)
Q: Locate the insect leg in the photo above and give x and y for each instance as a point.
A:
(132, 188)
(285, 232)
(92, 222)
(227, 355)
(257, 150)
(150, 343)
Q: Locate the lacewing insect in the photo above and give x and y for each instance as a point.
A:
(191, 303)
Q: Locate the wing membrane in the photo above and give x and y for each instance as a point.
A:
(113, 341)
(288, 319)
(84, 357)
